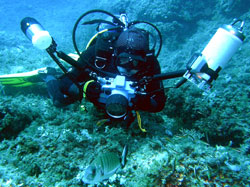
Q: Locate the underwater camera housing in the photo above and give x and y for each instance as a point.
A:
(36, 33)
(116, 95)
(203, 68)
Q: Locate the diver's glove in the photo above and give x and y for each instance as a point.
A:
(55, 94)
(62, 92)
(144, 102)
(129, 118)
(92, 90)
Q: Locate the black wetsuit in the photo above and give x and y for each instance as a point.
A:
(63, 91)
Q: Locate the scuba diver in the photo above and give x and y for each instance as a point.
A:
(125, 54)
(107, 72)
(119, 71)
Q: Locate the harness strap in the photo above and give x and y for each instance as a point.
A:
(85, 87)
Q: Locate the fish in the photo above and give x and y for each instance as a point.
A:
(104, 166)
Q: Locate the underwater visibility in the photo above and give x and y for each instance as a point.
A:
(125, 93)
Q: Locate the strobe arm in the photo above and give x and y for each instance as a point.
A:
(51, 50)
(169, 75)
(164, 76)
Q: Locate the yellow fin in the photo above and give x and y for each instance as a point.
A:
(22, 79)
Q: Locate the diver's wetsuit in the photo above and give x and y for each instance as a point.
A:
(63, 91)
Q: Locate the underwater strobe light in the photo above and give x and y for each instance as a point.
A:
(36, 33)
(203, 68)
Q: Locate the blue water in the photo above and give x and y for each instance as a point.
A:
(225, 117)
(47, 12)
(57, 16)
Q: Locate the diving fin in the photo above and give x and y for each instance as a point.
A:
(27, 78)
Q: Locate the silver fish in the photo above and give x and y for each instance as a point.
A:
(104, 166)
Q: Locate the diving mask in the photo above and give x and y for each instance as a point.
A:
(128, 64)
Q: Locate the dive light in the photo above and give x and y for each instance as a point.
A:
(36, 33)
(204, 67)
